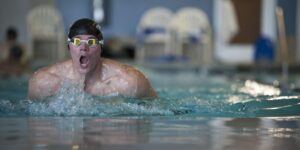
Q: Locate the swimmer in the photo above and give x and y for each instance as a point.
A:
(99, 76)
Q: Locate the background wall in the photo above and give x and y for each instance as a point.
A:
(72, 10)
(289, 7)
(124, 15)
(13, 13)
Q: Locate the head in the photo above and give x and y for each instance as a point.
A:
(11, 34)
(85, 43)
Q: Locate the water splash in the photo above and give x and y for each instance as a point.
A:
(218, 98)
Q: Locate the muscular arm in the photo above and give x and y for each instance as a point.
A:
(42, 84)
(139, 85)
(144, 88)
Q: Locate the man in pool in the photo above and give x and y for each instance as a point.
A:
(96, 75)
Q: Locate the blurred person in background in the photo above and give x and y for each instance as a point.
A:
(88, 71)
(12, 55)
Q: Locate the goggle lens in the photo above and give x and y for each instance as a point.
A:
(76, 41)
(91, 42)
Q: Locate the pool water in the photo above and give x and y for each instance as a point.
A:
(193, 111)
(188, 94)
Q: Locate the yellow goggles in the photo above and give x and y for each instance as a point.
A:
(89, 42)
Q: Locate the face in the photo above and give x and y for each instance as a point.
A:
(85, 58)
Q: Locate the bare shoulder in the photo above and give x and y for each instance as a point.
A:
(138, 85)
(123, 70)
(44, 82)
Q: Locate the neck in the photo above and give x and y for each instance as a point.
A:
(85, 78)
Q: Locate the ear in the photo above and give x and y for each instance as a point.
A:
(101, 48)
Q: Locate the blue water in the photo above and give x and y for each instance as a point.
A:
(179, 94)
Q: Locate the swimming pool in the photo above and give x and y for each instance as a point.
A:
(193, 111)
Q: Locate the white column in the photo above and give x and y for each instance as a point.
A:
(268, 19)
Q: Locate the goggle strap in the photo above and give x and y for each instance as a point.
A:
(101, 42)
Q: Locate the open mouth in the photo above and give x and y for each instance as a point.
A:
(83, 61)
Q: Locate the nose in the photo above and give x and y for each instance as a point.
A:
(84, 47)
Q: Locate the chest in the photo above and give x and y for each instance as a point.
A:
(110, 87)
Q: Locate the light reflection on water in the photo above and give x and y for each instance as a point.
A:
(151, 132)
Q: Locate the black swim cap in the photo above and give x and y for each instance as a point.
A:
(85, 26)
